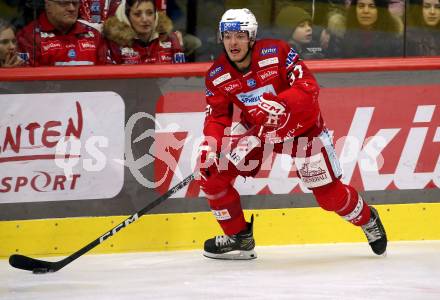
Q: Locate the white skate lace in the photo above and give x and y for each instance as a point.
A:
(372, 231)
(223, 240)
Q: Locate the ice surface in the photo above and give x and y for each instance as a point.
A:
(411, 270)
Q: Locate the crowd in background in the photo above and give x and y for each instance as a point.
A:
(98, 32)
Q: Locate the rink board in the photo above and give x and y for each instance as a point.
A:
(42, 213)
(160, 232)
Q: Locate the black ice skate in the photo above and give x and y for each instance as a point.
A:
(375, 233)
(238, 246)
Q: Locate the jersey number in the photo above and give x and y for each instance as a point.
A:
(297, 72)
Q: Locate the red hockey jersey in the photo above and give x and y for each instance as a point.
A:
(82, 45)
(153, 52)
(275, 68)
(97, 11)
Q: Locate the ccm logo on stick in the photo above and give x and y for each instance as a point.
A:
(128, 221)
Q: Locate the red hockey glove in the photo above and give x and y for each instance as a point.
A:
(271, 112)
(207, 162)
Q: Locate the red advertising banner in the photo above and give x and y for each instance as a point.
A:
(387, 138)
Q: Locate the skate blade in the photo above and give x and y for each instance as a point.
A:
(233, 255)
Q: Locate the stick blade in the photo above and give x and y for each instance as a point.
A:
(31, 264)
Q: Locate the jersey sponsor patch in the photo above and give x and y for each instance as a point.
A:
(268, 61)
(74, 63)
(248, 74)
(165, 56)
(87, 45)
(251, 82)
(267, 74)
(221, 79)
(71, 54)
(313, 170)
(87, 35)
(215, 71)
(166, 45)
(179, 57)
(252, 98)
(230, 26)
(244, 146)
(268, 51)
(232, 86)
(221, 215)
(95, 7)
(95, 19)
(45, 35)
(24, 56)
(49, 46)
(127, 51)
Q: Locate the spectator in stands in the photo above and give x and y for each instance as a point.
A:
(95, 12)
(371, 31)
(133, 38)
(335, 26)
(8, 46)
(423, 35)
(300, 26)
(397, 8)
(56, 38)
(328, 18)
(165, 27)
(188, 41)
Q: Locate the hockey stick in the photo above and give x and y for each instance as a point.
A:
(40, 266)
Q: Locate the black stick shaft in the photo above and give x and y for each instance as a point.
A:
(130, 219)
(30, 264)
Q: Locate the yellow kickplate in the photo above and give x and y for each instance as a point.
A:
(160, 232)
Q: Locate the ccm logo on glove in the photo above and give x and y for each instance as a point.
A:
(270, 112)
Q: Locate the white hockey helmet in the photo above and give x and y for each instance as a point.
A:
(238, 20)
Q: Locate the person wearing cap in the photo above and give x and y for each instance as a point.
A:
(300, 26)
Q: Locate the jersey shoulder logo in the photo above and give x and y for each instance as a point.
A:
(208, 93)
(215, 71)
(292, 58)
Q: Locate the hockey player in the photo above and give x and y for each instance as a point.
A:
(278, 99)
